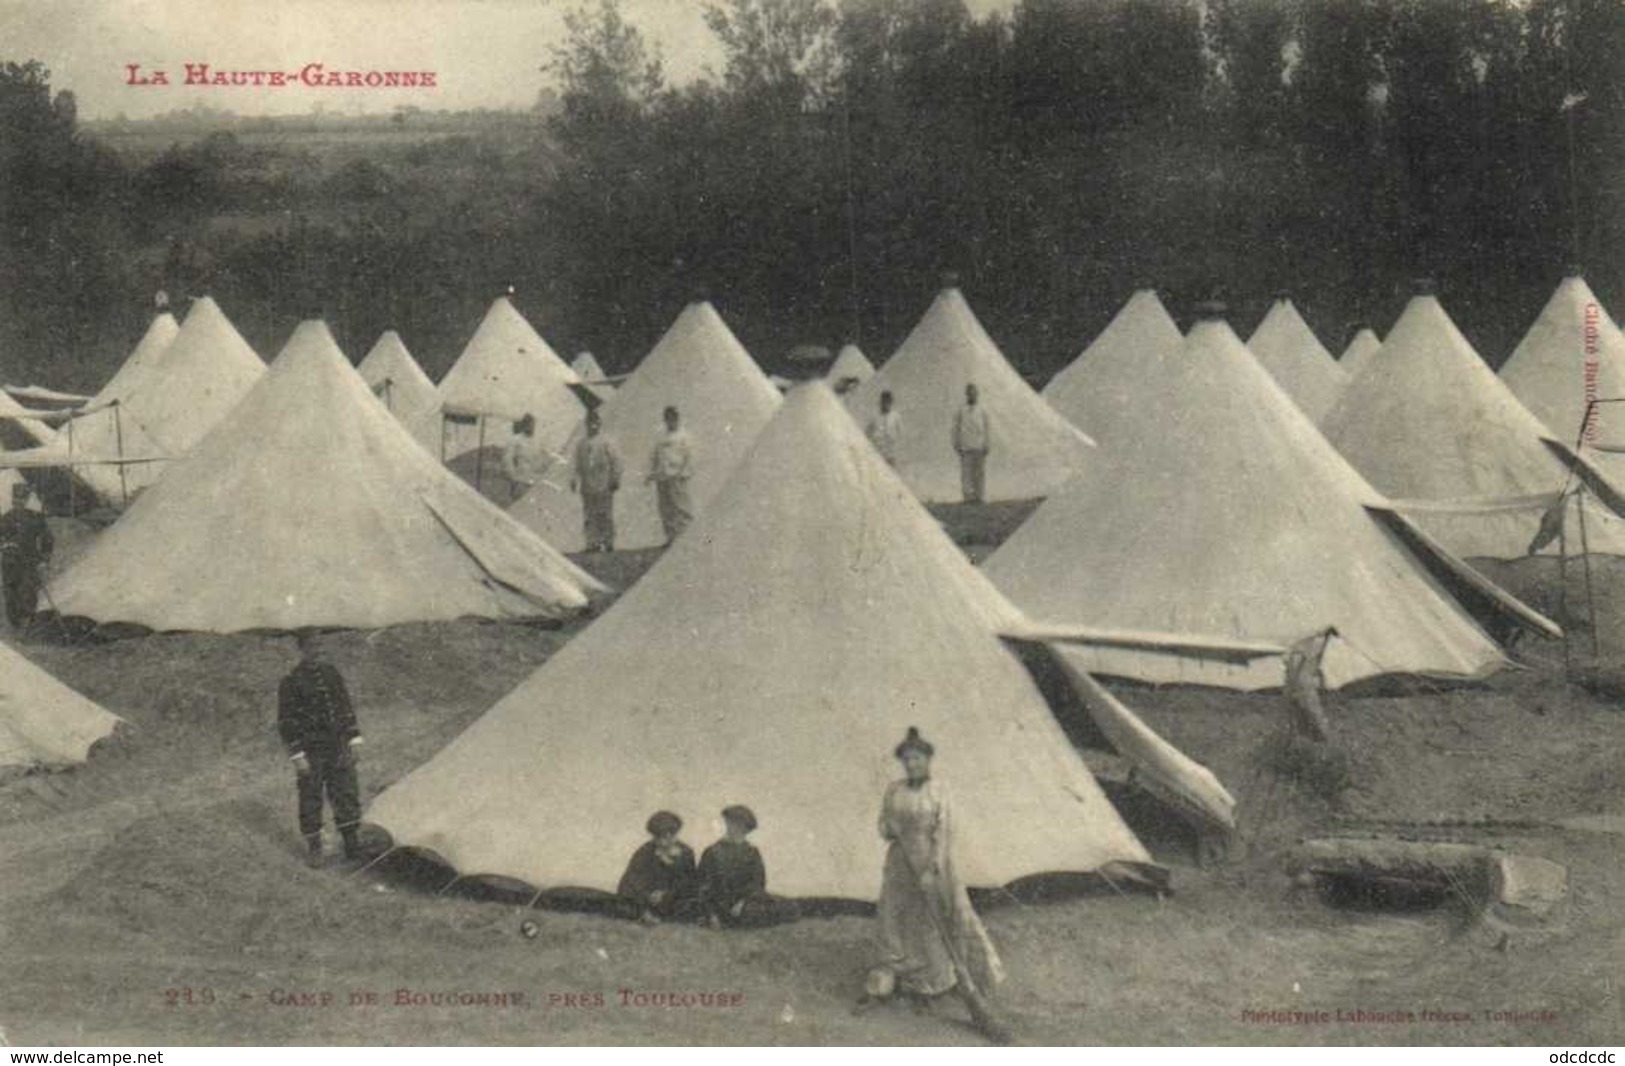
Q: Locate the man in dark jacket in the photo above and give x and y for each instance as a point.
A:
(25, 549)
(318, 726)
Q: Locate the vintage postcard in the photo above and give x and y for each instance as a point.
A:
(812, 522)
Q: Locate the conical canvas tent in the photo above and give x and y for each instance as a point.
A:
(1034, 449)
(312, 506)
(593, 378)
(44, 723)
(1571, 356)
(397, 379)
(160, 334)
(850, 368)
(105, 430)
(1299, 363)
(1430, 425)
(1361, 350)
(773, 657)
(1105, 388)
(700, 368)
(507, 371)
(1228, 513)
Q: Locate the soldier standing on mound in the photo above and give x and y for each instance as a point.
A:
(317, 723)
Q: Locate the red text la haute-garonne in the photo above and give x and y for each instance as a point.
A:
(310, 76)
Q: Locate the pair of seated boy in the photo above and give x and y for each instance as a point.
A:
(727, 887)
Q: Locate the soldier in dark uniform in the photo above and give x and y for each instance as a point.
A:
(25, 549)
(318, 725)
(733, 879)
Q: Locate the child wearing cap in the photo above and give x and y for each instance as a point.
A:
(733, 878)
(659, 879)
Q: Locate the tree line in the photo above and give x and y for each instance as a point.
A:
(847, 153)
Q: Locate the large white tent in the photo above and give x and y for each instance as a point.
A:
(699, 367)
(505, 372)
(1228, 513)
(44, 724)
(1110, 385)
(312, 506)
(1299, 363)
(397, 379)
(1573, 355)
(164, 400)
(1429, 424)
(102, 431)
(773, 657)
(1035, 450)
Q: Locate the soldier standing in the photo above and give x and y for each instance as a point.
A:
(25, 550)
(317, 723)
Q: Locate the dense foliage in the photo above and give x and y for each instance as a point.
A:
(849, 152)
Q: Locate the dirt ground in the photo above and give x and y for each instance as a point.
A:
(157, 895)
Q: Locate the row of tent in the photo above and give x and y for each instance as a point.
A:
(1442, 446)
(818, 598)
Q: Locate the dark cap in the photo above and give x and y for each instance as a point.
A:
(1213, 310)
(950, 279)
(741, 814)
(1424, 287)
(663, 822)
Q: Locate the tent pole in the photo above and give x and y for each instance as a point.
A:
(118, 435)
(1585, 559)
(1563, 597)
(73, 502)
(479, 459)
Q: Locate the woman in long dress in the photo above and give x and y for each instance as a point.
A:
(931, 939)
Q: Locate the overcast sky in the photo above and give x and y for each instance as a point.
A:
(485, 53)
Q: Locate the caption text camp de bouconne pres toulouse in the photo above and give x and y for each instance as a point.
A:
(310, 76)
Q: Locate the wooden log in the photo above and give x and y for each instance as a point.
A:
(1462, 867)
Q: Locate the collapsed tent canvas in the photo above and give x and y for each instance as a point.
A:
(1034, 449)
(43, 723)
(1430, 425)
(312, 506)
(507, 371)
(1105, 387)
(397, 379)
(724, 399)
(1230, 514)
(1295, 358)
(774, 656)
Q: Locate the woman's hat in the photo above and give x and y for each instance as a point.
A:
(914, 742)
(662, 822)
(741, 814)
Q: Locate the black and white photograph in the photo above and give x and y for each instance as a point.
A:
(832, 523)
